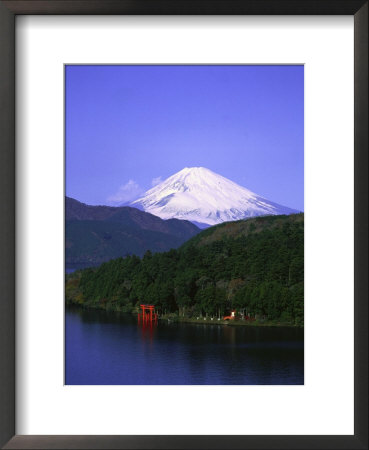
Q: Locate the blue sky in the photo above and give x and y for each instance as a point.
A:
(128, 127)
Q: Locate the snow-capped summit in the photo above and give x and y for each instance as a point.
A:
(199, 195)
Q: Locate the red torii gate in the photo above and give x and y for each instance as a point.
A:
(148, 314)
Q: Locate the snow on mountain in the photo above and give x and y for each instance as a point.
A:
(199, 195)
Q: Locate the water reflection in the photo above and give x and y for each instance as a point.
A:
(147, 331)
(111, 348)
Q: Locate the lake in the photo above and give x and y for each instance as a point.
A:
(107, 348)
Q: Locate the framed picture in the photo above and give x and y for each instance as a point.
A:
(247, 113)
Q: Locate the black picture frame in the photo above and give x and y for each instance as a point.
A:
(8, 12)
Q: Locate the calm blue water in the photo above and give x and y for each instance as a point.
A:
(111, 348)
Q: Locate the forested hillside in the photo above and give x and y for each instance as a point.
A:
(255, 265)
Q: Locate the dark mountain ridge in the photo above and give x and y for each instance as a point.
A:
(95, 234)
(75, 210)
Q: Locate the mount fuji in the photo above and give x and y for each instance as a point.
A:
(205, 198)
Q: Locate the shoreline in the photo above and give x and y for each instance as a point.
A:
(172, 318)
(200, 321)
(230, 323)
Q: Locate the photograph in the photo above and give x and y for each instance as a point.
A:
(184, 224)
(157, 163)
